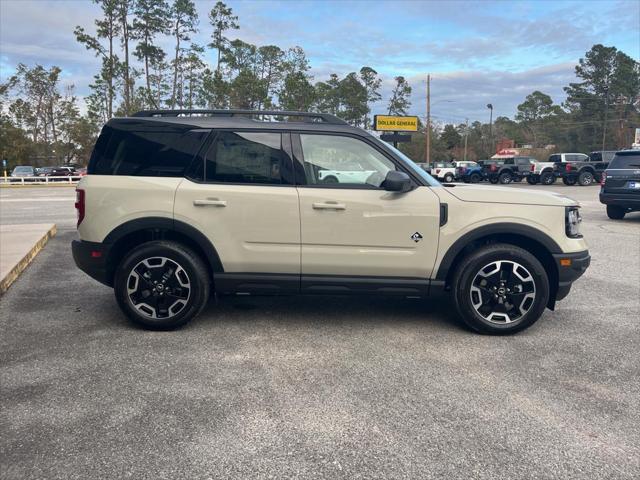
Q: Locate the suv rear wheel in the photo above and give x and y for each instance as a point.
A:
(585, 178)
(448, 178)
(532, 180)
(615, 212)
(161, 285)
(475, 178)
(500, 289)
(569, 181)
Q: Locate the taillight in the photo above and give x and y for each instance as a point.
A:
(567, 167)
(603, 178)
(533, 168)
(493, 168)
(80, 205)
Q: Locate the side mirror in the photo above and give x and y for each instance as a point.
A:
(396, 182)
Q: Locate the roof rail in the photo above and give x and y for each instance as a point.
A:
(310, 116)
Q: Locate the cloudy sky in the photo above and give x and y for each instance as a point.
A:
(477, 52)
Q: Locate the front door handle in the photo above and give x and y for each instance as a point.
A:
(214, 202)
(329, 206)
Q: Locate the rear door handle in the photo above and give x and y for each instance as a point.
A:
(214, 202)
(329, 206)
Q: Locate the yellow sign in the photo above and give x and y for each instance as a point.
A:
(395, 124)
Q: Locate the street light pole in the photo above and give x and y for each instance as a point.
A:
(466, 136)
(427, 144)
(490, 107)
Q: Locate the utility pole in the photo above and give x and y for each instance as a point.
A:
(604, 125)
(491, 148)
(466, 135)
(427, 144)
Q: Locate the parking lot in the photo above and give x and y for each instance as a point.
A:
(317, 387)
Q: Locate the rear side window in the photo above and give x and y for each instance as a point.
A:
(625, 161)
(555, 158)
(152, 152)
(246, 157)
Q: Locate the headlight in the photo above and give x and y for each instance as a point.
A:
(572, 220)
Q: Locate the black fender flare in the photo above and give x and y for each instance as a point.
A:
(168, 224)
(491, 230)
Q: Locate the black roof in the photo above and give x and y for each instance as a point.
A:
(267, 119)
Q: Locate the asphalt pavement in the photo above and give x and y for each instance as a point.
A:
(320, 387)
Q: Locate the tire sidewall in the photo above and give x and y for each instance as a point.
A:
(547, 178)
(448, 178)
(192, 265)
(583, 177)
(505, 178)
(480, 259)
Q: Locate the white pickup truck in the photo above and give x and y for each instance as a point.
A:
(543, 172)
(447, 171)
(344, 176)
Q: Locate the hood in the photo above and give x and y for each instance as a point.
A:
(521, 196)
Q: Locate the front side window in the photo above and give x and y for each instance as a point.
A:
(343, 161)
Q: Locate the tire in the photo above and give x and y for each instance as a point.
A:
(532, 181)
(475, 178)
(189, 285)
(480, 310)
(330, 179)
(615, 212)
(505, 178)
(585, 179)
(569, 181)
(493, 180)
(448, 178)
(547, 178)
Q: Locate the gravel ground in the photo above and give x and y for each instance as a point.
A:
(322, 387)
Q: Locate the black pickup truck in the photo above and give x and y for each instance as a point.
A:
(620, 185)
(578, 168)
(507, 170)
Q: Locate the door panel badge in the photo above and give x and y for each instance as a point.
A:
(416, 237)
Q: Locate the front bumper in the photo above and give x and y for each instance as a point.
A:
(570, 266)
(628, 200)
(91, 258)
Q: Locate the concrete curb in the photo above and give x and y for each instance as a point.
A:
(15, 272)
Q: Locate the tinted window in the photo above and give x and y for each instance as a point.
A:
(246, 157)
(338, 161)
(154, 152)
(625, 161)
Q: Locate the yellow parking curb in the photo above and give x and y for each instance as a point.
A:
(21, 265)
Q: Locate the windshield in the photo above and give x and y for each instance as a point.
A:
(429, 180)
(625, 161)
(23, 169)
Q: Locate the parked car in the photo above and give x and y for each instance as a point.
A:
(176, 208)
(620, 184)
(444, 171)
(55, 172)
(23, 171)
(577, 168)
(507, 170)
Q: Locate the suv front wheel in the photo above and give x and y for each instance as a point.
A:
(161, 285)
(500, 289)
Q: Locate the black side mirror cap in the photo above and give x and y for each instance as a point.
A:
(396, 182)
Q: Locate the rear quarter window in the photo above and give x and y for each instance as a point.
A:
(149, 152)
(625, 162)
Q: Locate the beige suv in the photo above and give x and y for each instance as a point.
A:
(180, 204)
